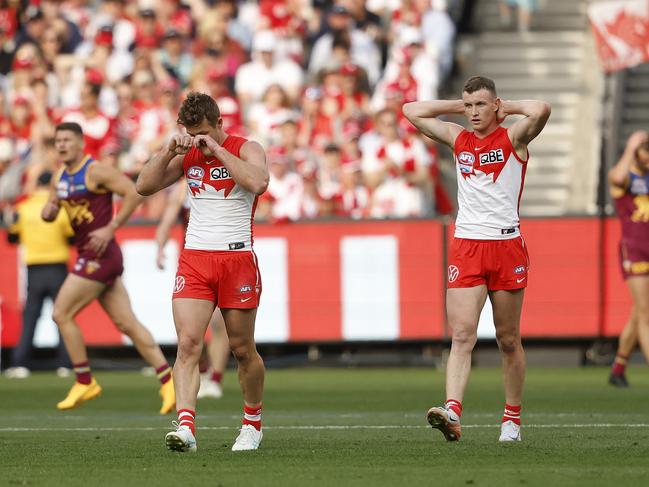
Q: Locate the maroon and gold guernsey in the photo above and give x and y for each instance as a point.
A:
(632, 207)
(89, 210)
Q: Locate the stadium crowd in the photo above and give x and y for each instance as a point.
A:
(319, 84)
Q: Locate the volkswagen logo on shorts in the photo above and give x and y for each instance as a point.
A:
(466, 160)
(180, 284)
(453, 273)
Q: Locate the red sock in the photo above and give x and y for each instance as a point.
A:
(512, 413)
(455, 406)
(186, 417)
(203, 366)
(252, 416)
(82, 369)
(619, 365)
(164, 373)
(217, 377)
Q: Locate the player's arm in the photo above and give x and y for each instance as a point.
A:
(51, 209)
(249, 171)
(107, 177)
(521, 133)
(423, 115)
(618, 176)
(169, 217)
(164, 168)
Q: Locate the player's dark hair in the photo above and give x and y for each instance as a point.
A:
(71, 126)
(476, 83)
(196, 107)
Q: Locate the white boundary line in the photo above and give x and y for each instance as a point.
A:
(336, 427)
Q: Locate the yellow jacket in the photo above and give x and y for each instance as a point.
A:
(43, 242)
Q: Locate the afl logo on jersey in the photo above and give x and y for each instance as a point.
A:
(466, 160)
(195, 172)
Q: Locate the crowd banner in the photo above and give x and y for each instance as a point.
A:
(621, 31)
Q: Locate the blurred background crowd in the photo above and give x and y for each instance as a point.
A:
(320, 84)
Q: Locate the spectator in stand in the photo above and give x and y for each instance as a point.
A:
(148, 31)
(266, 116)
(297, 155)
(10, 172)
(438, 30)
(173, 57)
(329, 169)
(285, 187)
(254, 78)
(98, 129)
(33, 28)
(287, 20)
(354, 198)
(524, 11)
(364, 51)
(398, 170)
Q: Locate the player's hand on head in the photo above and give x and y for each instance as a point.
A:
(501, 114)
(637, 138)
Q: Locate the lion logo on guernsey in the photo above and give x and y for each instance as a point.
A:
(180, 284)
(453, 273)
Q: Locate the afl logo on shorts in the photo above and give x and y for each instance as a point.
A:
(180, 284)
(453, 273)
(466, 160)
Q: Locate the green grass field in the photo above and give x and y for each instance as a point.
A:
(361, 427)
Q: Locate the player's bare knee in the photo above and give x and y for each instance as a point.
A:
(189, 347)
(508, 343)
(465, 337)
(243, 351)
(61, 316)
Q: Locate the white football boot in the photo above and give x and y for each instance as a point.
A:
(180, 440)
(249, 438)
(209, 388)
(510, 431)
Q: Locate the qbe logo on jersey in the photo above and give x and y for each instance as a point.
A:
(492, 157)
(466, 160)
(219, 173)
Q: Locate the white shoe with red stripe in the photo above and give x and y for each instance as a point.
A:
(510, 431)
(249, 438)
(180, 440)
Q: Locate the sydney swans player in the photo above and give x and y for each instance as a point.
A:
(217, 267)
(488, 256)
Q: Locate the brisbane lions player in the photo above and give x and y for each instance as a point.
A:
(488, 256)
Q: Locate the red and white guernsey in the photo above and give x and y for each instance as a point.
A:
(221, 211)
(490, 178)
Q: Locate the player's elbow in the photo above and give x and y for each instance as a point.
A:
(544, 110)
(259, 187)
(142, 188)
